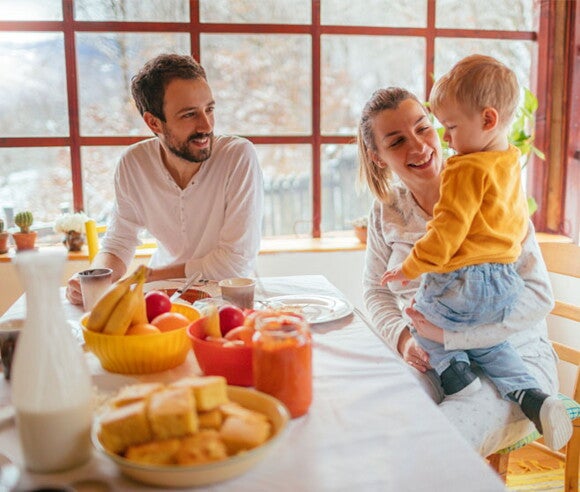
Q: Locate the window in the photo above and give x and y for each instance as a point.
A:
(290, 76)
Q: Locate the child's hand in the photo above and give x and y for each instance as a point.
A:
(394, 275)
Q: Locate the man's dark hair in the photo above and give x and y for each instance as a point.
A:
(148, 86)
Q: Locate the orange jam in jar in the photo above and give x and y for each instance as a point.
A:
(282, 360)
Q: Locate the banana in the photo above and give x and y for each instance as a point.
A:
(104, 307)
(140, 314)
(120, 319)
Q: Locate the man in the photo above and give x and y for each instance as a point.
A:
(199, 195)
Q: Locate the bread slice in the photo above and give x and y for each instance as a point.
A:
(212, 419)
(171, 413)
(124, 426)
(135, 392)
(155, 453)
(240, 434)
(209, 391)
(203, 447)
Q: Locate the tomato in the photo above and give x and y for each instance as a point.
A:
(230, 317)
(157, 303)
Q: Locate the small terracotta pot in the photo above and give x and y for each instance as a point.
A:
(361, 234)
(4, 236)
(24, 240)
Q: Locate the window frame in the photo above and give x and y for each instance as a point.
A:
(554, 186)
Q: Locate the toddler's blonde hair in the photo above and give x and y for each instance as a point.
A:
(477, 82)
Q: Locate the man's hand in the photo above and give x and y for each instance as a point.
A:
(394, 275)
(73, 290)
(425, 328)
(412, 354)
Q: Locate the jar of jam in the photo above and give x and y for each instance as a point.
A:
(282, 360)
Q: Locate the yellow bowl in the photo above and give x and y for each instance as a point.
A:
(142, 354)
(217, 471)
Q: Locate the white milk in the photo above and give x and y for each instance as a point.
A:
(54, 441)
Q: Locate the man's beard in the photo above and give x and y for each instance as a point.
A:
(183, 150)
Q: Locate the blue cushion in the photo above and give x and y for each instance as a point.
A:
(573, 409)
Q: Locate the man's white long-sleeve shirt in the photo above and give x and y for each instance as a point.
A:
(213, 225)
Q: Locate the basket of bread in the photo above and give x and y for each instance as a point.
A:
(192, 432)
(135, 333)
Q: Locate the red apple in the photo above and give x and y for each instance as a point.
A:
(157, 303)
(230, 317)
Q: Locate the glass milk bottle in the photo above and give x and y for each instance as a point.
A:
(51, 383)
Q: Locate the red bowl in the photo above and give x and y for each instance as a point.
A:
(190, 295)
(233, 363)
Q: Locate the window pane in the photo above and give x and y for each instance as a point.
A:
(515, 15)
(341, 201)
(256, 11)
(517, 55)
(389, 13)
(32, 85)
(31, 10)
(287, 189)
(36, 179)
(99, 165)
(350, 76)
(262, 83)
(106, 63)
(132, 10)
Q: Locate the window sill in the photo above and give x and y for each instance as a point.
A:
(269, 246)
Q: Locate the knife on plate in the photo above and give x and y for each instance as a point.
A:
(178, 293)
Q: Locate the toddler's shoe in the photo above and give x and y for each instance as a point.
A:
(549, 415)
(459, 380)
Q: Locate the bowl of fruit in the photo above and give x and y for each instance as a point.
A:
(222, 343)
(135, 333)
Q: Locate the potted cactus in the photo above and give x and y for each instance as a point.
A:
(25, 239)
(3, 238)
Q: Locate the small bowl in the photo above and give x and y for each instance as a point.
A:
(142, 354)
(208, 473)
(234, 362)
(190, 295)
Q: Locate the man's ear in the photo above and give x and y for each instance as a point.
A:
(490, 118)
(152, 122)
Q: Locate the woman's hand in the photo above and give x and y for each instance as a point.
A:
(412, 354)
(425, 328)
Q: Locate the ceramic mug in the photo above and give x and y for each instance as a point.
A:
(9, 331)
(238, 291)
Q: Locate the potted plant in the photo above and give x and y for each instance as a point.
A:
(73, 227)
(25, 239)
(360, 228)
(4, 235)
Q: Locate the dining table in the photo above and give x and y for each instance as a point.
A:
(370, 427)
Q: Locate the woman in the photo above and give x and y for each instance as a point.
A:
(400, 160)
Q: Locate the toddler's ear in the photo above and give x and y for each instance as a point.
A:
(490, 118)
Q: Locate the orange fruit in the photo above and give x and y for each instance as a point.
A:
(142, 329)
(243, 333)
(170, 321)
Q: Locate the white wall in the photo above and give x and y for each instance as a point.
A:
(342, 268)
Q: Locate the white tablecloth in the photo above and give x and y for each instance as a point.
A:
(370, 426)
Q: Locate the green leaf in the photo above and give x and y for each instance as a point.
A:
(532, 205)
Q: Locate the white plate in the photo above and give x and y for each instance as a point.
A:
(315, 309)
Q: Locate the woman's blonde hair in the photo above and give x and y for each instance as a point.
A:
(378, 179)
(477, 82)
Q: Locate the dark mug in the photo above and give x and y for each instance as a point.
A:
(9, 331)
